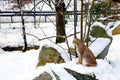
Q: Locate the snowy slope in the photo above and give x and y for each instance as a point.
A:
(22, 66)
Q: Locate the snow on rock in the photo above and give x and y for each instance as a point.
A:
(103, 67)
(62, 52)
(114, 59)
(113, 54)
(43, 69)
(22, 66)
(115, 24)
(98, 45)
(114, 48)
(111, 26)
(98, 24)
(106, 28)
(59, 70)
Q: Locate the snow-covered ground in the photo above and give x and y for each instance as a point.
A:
(22, 66)
(17, 65)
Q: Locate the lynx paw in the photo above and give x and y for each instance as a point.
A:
(78, 62)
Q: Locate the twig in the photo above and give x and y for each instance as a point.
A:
(50, 36)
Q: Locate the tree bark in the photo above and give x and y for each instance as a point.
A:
(23, 28)
(116, 1)
(60, 21)
(81, 26)
(89, 23)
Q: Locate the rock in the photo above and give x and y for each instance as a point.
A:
(116, 30)
(49, 55)
(44, 76)
(79, 76)
(100, 32)
(104, 52)
(72, 51)
(56, 76)
(47, 76)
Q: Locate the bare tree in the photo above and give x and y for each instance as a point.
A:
(81, 26)
(23, 27)
(17, 2)
(91, 5)
(60, 20)
(116, 1)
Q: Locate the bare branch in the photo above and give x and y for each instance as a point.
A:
(51, 36)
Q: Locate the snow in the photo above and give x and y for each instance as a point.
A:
(98, 24)
(101, 44)
(115, 24)
(64, 54)
(17, 65)
(106, 27)
(113, 58)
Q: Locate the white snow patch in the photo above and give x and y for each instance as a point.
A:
(98, 45)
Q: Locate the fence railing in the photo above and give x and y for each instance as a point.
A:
(32, 14)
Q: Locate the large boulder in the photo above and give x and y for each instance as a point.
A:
(49, 55)
(75, 75)
(116, 30)
(44, 76)
(97, 33)
(100, 47)
(47, 76)
(80, 76)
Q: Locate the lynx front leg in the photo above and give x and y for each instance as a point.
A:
(79, 60)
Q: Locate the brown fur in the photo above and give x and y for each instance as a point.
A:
(84, 53)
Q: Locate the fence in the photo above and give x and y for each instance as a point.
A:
(12, 14)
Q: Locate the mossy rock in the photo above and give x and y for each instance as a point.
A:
(72, 51)
(56, 76)
(80, 76)
(47, 76)
(49, 55)
(116, 30)
(98, 32)
(44, 76)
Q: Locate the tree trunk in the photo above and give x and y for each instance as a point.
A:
(60, 21)
(89, 23)
(23, 28)
(81, 26)
(24, 36)
(116, 1)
